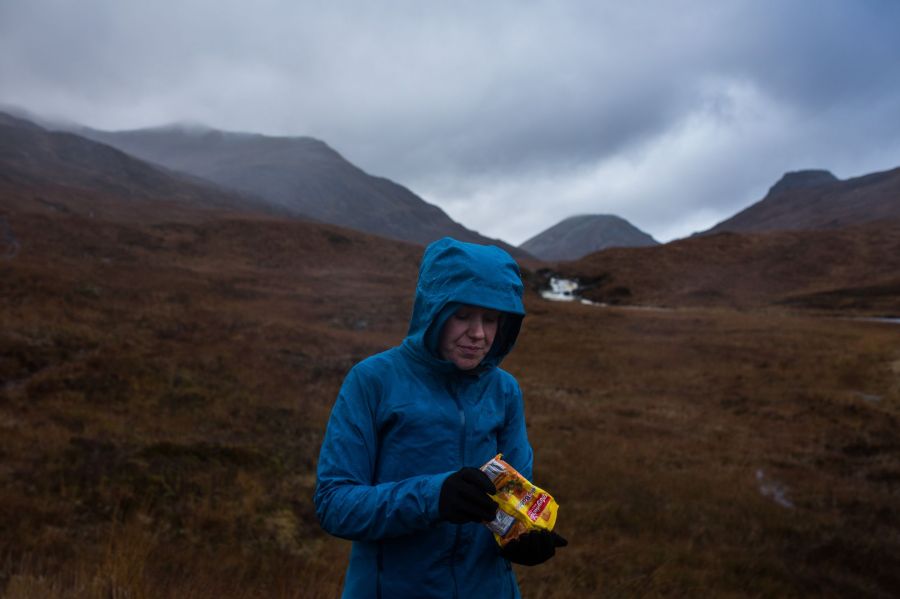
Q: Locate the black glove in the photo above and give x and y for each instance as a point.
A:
(464, 497)
(533, 548)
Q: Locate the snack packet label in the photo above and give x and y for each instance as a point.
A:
(522, 506)
(535, 511)
(501, 523)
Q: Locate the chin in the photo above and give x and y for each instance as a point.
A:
(465, 364)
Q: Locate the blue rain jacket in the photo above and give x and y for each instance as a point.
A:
(405, 420)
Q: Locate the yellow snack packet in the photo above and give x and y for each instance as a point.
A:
(523, 506)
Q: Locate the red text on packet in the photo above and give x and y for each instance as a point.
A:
(535, 510)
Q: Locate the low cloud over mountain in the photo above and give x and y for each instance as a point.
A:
(294, 175)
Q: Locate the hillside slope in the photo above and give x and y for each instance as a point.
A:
(805, 200)
(165, 384)
(298, 175)
(33, 157)
(858, 268)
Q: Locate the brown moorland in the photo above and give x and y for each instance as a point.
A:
(166, 380)
(853, 270)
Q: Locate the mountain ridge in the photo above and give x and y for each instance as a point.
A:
(298, 175)
(816, 199)
(32, 156)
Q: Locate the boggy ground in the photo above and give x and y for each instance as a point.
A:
(715, 453)
(165, 388)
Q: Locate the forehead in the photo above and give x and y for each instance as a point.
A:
(470, 309)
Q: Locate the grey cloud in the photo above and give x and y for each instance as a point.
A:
(503, 103)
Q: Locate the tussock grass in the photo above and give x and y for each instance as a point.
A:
(663, 434)
(161, 413)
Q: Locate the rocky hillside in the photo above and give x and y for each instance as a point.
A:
(297, 175)
(579, 236)
(816, 199)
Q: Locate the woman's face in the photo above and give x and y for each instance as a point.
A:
(467, 336)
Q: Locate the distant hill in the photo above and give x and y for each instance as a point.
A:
(298, 175)
(854, 268)
(816, 199)
(578, 236)
(33, 158)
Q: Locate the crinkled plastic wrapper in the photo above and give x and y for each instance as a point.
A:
(523, 506)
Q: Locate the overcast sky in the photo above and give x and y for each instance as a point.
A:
(510, 115)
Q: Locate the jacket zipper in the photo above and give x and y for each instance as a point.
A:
(462, 458)
(379, 560)
(462, 434)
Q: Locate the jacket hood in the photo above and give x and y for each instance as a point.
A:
(453, 273)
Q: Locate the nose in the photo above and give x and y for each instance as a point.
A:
(476, 328)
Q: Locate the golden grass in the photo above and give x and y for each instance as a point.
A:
(161, 415)
(664, 435)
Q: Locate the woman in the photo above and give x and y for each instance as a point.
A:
(398, 470)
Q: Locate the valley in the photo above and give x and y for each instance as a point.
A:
(167, 382)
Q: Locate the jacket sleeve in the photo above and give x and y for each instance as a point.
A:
(513, 440)
(348, 504)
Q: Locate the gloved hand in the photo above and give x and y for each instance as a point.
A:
(533, 548)
(464, 497)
